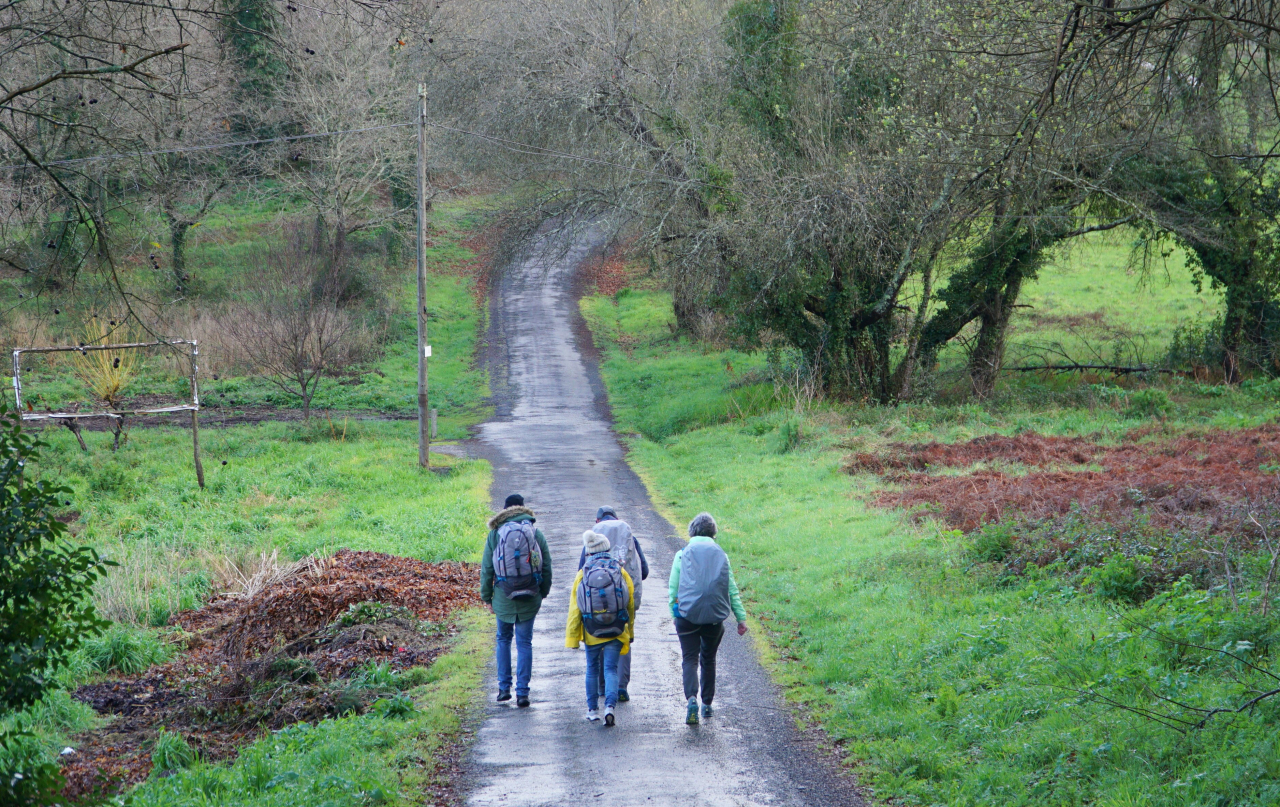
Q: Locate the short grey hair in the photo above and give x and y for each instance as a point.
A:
(702, 524)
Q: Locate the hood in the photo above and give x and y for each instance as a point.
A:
(508, 514)
(616, 531)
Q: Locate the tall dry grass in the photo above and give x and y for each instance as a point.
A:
(213, 328)
(153, 582)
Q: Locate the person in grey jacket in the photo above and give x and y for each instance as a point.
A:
(626, 549)
(702, 594)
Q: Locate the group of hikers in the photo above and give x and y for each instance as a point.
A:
(515, 576)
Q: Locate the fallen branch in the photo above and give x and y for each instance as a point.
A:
(1118, 369)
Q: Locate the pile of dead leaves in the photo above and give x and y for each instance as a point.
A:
(309, 600)
(1190, 481)
(260, 662)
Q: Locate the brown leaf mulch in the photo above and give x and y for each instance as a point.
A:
(225, 690)
(1188, 480)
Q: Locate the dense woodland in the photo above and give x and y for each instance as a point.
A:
(862, 184)
(827, 222)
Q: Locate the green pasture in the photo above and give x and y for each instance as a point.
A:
(285, 491)
(939, 680)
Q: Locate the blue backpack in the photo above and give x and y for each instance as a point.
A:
(602, 597)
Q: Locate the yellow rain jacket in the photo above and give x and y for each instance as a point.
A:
(573, 632)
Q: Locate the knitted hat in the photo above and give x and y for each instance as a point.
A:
(514, 500)
(702, 524)
(606, 512)
(594, 542)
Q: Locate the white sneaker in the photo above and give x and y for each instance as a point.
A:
(593, 715)
(608, 716)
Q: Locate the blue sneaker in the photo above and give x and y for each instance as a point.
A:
(706, 710)
(623, 697)
(691, 717)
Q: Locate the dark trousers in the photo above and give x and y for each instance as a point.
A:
(698, 646)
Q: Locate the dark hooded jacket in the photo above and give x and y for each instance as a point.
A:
(505, 608)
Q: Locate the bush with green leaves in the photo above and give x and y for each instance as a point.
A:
(400, 705)
(45, 611)
(993, 543)
(1146, 403)
(1120, 579)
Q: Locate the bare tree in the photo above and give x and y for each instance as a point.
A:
(72, 70)
(346, 73)
(293, 327)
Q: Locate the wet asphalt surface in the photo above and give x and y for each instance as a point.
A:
(551, 440)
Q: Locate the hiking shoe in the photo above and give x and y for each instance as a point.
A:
(623, 697)
(522, 701)
(504, 695)
(706, 710)
(593, 715)
(691, 717)
(608, 716)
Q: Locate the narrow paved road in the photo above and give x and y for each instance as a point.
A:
(551, 441)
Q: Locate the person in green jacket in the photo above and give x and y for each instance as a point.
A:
(516, 610)
(702, 593)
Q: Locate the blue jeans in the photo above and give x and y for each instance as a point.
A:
(608, 653)
(524, 655)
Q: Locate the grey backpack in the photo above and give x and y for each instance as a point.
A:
(517, 560)
(602, 597)
(703, 596)
(622, 548)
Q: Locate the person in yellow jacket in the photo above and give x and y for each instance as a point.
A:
(607, 591)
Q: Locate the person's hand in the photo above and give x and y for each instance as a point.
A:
(742, 628)
(489, 605)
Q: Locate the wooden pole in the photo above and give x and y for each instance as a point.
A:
(195, 445)
(195, 420)
(424, 426)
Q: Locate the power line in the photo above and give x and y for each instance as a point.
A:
(507, 143)
(542, 151)
(514, 146)
(208, 147)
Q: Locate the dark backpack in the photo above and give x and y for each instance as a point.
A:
(517, 560)
(603, 597)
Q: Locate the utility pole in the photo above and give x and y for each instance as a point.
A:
(424, 350)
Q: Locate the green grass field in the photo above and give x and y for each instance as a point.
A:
(277, 492)
(284, 489)
(1093, 303)
(359, 760)
(941, 682)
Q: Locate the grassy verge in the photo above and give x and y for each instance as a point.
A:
(947, 682)
(283, 488)
(369, 759)
(286, 490)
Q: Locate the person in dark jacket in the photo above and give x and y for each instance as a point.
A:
(703, 594)
(626, 549)
(515, 616)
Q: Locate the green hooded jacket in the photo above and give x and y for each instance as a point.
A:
(505, 608)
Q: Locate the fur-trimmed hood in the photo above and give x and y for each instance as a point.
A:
(508, 514)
